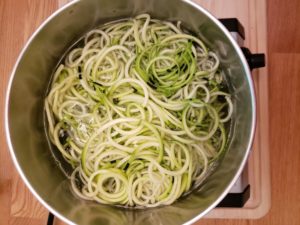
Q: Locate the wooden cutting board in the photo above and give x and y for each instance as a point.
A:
(18, 206)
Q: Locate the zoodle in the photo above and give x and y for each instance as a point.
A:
(139, 111)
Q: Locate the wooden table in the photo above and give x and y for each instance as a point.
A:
(19, 18)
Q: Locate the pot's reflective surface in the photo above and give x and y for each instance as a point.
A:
(24, 111)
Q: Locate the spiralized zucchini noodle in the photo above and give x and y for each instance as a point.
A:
(139, 111)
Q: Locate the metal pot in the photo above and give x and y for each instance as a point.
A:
(27, 88)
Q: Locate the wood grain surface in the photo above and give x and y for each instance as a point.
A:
(19, 18)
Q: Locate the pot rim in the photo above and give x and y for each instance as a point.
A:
(247, 73)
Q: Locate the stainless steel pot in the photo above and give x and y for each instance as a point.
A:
(24, 111)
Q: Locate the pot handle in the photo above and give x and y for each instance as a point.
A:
(50, 220)
(254, 60)
(233, 25)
